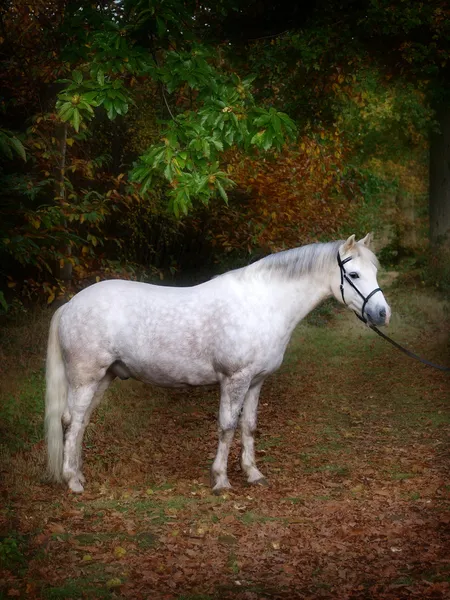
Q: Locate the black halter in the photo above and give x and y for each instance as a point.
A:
(345, 277)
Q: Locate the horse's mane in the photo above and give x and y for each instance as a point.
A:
(292, 263)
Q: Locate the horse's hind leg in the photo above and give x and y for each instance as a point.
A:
(82, 402)
(232, 396)
(101, 389)
(248, 427)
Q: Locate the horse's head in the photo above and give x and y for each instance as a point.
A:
(354, 281)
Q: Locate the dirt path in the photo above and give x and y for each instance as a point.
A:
(352, 437)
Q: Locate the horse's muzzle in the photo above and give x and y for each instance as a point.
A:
(380, 315)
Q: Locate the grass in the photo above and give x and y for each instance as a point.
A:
(295, 500)
(195, 597)
(21, 415)
(271, 442)
(399, 476)
(249, 517)
(146, 539)
(82, 587)
(232, 564)
(12, 551)
(159, 510)
(337, 470)
(323, 314)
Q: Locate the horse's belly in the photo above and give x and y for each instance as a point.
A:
(174, 375)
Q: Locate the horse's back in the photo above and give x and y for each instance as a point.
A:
(118, 307)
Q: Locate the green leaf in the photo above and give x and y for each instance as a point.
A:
(68, 114)
(18, 147)
(87, 107)
(5, 147)
(161, 27)
(3, 302)
(262, 120)
(76, 119)
(229, 137)
(218, 145)
(249, 79)
(90, 97)
(267, 140)
(222, 191)
(168, 172)
(256, 139)
(112, 114)
(118, 107)
(77, 76)
(147, 180)
(276, 123)
(206, 149)
(64, 109)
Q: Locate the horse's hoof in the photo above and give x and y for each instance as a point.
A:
(221, 488)
(75, 486)
(262, 481)
(220, 491)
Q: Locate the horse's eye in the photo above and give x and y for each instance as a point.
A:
(354, 275)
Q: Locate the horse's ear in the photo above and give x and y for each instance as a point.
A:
(367, 241)
(349, 244)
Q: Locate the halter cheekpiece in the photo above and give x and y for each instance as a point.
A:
(345, 277)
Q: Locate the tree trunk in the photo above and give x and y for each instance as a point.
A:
(406, 230)
(440, 180)
(64, 271)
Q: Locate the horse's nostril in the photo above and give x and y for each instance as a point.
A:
(383, 313)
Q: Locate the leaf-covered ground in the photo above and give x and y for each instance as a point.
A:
(352, 437)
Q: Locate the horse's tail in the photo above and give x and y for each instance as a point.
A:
(55, 400)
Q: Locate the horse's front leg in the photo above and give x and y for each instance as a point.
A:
(232, 394)
(248, 427)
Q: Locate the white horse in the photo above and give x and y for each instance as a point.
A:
(232, 330)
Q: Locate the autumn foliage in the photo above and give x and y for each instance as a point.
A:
(135, 146)
(287, 199)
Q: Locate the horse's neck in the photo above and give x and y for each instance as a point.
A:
(298, 297)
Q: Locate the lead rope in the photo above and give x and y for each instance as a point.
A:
(408, 352)
(361, 317)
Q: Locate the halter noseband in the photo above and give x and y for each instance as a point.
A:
(345, 277)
